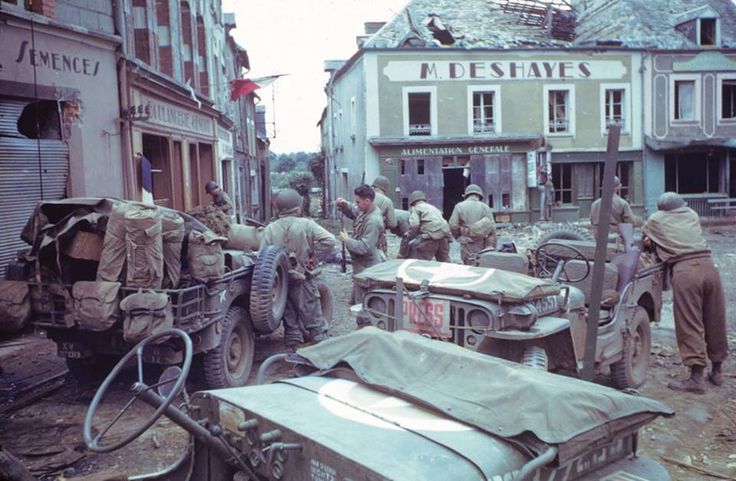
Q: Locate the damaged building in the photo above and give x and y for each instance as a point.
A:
(493, 92)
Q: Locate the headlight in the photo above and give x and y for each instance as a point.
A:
(479, 321)
(376, 304)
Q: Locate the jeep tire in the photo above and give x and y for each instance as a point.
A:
(631, 371)
(566, 232)
(229, 364)
(268, 289)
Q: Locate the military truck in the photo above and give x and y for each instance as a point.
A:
(223, 315)
(539, 320)
(352, 415)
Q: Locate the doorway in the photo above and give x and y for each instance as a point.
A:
(454, 186)
(156, 150)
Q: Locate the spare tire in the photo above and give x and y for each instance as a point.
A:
(268, 289)
(566, 232)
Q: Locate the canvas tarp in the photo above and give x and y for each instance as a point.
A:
(497, 396)
(445, 278)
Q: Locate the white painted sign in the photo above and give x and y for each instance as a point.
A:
(531, 169)
(435, 70)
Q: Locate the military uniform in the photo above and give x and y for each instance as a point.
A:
(304, 241)
(430, 232)
(363, 243)
(222, 200)
(620, 212)
(386, 207)
(697, 292)
(473, 226)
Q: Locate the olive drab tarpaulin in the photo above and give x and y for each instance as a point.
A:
(212, 217)
(112, 259)
(173, 232)
(15, 305)
(146, 314)
(244, 237)
(95, 304)
(205, 256)
(144, 247)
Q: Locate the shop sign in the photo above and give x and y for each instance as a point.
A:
(443, 70)
(163, 113)
(58, 61)
(456, 150)
(224, 143)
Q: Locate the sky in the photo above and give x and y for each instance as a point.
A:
(295, 37)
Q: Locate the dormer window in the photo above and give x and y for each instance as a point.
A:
(707, 31)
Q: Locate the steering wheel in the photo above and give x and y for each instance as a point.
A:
(94, 442)
(558, 262)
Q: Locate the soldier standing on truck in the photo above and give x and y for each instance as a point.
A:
(367, 230)
(386, 207)
(304, 241)
(674, 233)
(472, 224)
(220, 198)
(429, 234)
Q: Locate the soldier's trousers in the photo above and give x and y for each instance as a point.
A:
(303, 311)
(469, 250)
(427, 249)
(700, 311)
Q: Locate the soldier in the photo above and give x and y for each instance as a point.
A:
(386, 207)
(304, 241)
(219, 197)
(620, 209)
(367, 230)
(472, 224)
(429, 234)
(675, 234)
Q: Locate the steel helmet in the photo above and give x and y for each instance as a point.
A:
(616, 182)
(288, 201)
(473, 189)
(210, 186)
(670, 201)
(415, 196)
(381, 182)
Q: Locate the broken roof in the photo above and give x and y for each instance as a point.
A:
(494, 24)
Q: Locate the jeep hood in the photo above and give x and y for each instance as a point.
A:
(455, 279)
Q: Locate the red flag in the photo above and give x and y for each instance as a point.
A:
(242, 86)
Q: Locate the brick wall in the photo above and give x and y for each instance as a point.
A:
(163, 20)
(202, 50)
(44, 7)
(187, 53)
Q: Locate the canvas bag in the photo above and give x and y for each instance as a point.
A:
(112, 258)
(144, 245)
(96, 304)
(145, 314)
(172, 234)
(206, 259)
(15, 305)
(44, 300)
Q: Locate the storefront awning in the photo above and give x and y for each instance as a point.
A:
(659, 145)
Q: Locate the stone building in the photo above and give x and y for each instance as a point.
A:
(493, 92)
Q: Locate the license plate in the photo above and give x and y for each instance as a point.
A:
(73, 350)
(546, 305)
(427, 316)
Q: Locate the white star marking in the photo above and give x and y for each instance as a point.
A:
(223, 293)
(439, 272)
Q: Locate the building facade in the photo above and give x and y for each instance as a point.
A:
(444, 96)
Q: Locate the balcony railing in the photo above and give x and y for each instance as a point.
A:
(420, 129)
(559, 125)
(484, 128)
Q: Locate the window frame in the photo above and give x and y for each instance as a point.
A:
(561, 189)
(570, 105)
(432, 91)
(719, 98)
(496, 91)
(698, 29)
(625, 106)
(697, 103)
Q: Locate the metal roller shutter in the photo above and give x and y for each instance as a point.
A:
(22, 180)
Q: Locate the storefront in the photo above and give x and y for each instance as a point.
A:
(58, 131)
(179, 143)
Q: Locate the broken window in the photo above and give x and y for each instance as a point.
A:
(419, 113)
(728, 99)
(615, 107)
(707, 31)
(562, 179)
(483, 112)
(41, 120)
(558, 114)
(684, 100)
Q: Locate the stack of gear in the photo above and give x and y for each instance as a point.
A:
(214, 218)
(145, 314)
(112, 258)
(173, 236)
(206, 259)
(15, 305)
(144, 246)
(244, 237)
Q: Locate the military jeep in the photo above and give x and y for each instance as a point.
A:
(223, 315)
(539, 320)
(352, 415)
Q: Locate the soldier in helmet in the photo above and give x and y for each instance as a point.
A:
(620, 209)
(220, 198)
(386, 207)
(472, 224)
(675, 235)
(305, 242)
(429, 232)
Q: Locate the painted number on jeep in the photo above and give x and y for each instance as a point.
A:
(546, 305)
(427, 316)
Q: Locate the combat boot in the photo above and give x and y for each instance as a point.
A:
(695, 383)
(715, 376)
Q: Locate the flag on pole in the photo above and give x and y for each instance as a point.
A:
(242, 86)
